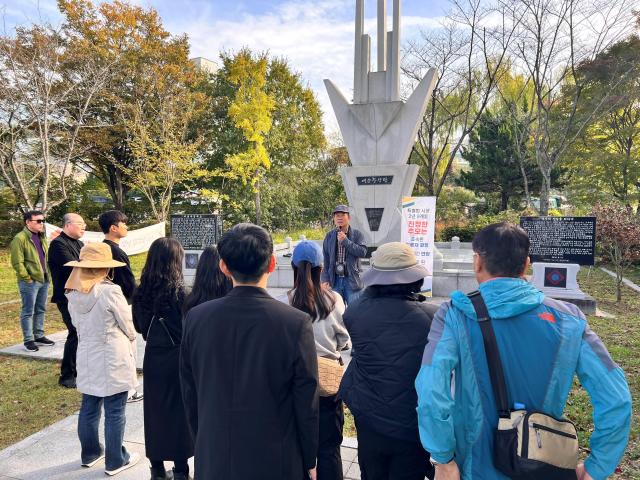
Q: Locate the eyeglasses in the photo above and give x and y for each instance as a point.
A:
(40, 220)
(80, 224)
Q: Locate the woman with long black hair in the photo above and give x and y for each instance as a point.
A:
(157, 315)
(325, 308)
(210, 283)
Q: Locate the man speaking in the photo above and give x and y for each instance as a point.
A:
(343, 247)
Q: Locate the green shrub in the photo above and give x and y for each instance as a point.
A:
(8, 229)
(468, 230)
(465, 232)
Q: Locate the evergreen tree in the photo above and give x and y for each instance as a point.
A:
(494, 168)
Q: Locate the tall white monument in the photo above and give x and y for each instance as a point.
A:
(379, 130)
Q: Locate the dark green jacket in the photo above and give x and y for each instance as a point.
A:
(24, 257)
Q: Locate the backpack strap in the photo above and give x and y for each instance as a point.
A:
(493, 355)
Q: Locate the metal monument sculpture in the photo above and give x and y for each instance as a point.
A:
(379, 130)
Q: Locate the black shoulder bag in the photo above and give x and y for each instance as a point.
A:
(528, 445)
(164, 326)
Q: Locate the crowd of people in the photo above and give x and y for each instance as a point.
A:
(253, 386)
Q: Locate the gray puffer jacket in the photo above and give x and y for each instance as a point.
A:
(106, 340)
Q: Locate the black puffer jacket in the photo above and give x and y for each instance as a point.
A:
(389, 335)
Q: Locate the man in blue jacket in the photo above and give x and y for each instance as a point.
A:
(343, 247)
(542, 343)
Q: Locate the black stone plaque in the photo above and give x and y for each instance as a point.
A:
(375, 180)
(196, 232)
(374, 216)
(561, 239)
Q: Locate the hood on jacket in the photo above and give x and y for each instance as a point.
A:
(505, 297)
(84, 302)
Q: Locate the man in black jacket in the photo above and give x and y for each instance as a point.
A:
(114, 226)
(66, 248)
(249, 373)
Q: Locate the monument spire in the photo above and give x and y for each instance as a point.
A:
(382, 35)
(379, 130)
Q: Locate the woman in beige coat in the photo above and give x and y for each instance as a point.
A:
(105, 359)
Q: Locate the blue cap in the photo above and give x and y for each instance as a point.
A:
(309, 252)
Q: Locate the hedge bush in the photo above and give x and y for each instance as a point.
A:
(467, 230)
(8, 229)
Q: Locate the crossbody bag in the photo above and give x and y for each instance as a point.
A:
(528, 445)
(164, 326)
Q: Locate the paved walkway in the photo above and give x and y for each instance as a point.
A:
(625, 281)
(54, 453)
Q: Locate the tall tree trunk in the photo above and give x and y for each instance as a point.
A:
(117, 188)
(545, 188)
(525, 183)
(258, 206)
(504, 201)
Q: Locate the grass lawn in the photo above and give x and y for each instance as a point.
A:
(622, 338)
(632, 272)
(8, 284)
(30, 398)
(310, 233)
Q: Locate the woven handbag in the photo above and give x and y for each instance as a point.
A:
(330, 374)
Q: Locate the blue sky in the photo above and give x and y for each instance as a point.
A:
(315, 35)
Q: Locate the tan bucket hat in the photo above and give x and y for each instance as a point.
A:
(95, 255)
(95, 260)
(392, 264)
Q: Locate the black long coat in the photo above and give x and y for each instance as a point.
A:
(388, 335)
(166, 432)
(249, 378)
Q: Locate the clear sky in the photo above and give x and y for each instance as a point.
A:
(315, 35)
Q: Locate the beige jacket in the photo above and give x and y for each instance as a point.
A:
(106, 340)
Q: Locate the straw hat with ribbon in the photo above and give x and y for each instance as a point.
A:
(394, 263)
(95, 258)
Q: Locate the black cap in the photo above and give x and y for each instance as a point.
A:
(341, 208)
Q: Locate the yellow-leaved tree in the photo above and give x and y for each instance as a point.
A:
(250, 111)
(146, 140)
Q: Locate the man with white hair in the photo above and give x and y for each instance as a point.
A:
(66, 248)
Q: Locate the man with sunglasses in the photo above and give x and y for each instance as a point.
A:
(29, 260)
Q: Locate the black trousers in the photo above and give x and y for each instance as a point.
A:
(386, 458)
(330, 439)
(68, 367)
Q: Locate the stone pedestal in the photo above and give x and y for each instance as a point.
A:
(375, 196)
(559, 280)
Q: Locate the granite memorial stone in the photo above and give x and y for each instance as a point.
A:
(559, 245)
(195, 233)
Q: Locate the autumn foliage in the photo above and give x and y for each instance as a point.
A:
(618, 236)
